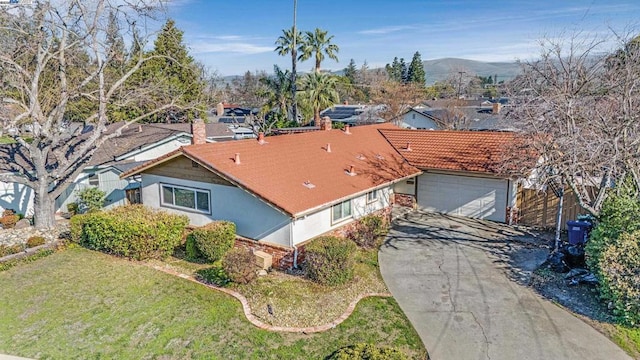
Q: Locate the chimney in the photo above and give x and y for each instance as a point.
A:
(236, 159)
(496, 108)
(328, 147)
(198, 132)
(346, 129)
(139, 128)
(325, 123)
(220, 109)
(261, 138)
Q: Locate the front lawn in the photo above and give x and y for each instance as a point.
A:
(84, 304)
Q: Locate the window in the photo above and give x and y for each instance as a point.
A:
(341, 211)
(182, 197)
(372, 196)
(94, 179)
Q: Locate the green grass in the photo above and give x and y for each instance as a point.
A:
(628, 339)
(79, 304)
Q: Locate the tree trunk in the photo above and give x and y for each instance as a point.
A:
(44, 208)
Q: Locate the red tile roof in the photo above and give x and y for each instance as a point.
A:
(278, 169)
(474, 151)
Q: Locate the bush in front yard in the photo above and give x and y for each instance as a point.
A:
(211, 241)
(368, 351)
(620, 277)
(330, 260)
(133, 231)
(34, 241)
(369, 231)
(91, 199)
(240, 265)
(75, 227)
(213, 275)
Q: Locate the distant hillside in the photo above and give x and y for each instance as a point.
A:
(440, 69)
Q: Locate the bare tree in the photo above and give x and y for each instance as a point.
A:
(397, 97)
(579, 109)
(54, 57)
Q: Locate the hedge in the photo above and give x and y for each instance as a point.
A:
(132, 231)
(211, 241)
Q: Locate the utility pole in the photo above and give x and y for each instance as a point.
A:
(294, 55)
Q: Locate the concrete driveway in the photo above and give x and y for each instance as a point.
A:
(457, 280)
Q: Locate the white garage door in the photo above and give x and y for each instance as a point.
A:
(473, 197)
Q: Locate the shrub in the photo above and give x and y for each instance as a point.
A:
(368, 351)
(191, 249)
(7, 212)
(132, 231)
(239, 265)
(6, 250)
(35, 241)
(369, 230)
(75, 227)
(73, 208)
(213, 240)
(9, 221)
(330, 260)
(213, 275)
(620, 213)
(620, 277)
(91, 199)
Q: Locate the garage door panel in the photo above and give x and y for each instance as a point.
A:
(474, 197)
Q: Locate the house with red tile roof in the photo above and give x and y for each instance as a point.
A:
(282, 191)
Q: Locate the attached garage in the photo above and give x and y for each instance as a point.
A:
(475, 197)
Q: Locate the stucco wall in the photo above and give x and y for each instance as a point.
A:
(413, 120)
(320, 222)
(254, 219)
(16, 197)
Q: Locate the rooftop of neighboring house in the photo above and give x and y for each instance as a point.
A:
(353, 114)
(300, 173)
(491, 117)
(474, 151)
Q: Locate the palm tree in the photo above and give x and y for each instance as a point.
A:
(318, 91)
(277, 92)
(285, 43)
(318, 44)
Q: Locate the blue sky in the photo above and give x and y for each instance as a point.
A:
(232, 37)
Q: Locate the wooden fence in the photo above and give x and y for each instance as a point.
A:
(540, 208)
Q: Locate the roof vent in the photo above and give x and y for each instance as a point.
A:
(408, 147)
(351, 171)
(379, 157)
(308, 184)
(346, 129)
(361, 157)
(328, 148)
(261, 138)
(237, 159)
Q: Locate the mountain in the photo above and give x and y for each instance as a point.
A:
(440, 69)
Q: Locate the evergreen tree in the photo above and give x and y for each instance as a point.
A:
(177, 74)
(416, 74)
(350, 71)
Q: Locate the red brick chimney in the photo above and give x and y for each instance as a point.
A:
(198, 132)
(325, 123)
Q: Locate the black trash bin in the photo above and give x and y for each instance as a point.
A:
(578, 231)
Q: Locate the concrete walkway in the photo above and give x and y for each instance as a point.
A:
(457, 279)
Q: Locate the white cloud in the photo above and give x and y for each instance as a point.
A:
(201, 47)
(386, 30)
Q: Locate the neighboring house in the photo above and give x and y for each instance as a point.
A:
(354, 114)
(280, 191)
(458, 117)
(462, 171)
(137, 144)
